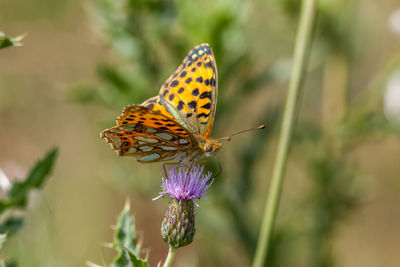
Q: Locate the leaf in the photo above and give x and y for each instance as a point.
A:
(18, 194)
(125, 241)
(137, 262)
(6, 41)
(125, 233)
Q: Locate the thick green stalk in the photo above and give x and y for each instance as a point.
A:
(301, 53)
(170, 256)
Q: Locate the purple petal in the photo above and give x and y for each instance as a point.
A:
(183, 186)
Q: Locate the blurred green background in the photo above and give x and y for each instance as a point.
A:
(83, 61)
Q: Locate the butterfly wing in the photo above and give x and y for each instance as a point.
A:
(190, 94)
(154, 104)
(149, 136)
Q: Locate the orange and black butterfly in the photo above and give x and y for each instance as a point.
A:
(175, 125)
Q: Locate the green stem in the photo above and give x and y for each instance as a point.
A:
(301, 53)
(170, 256)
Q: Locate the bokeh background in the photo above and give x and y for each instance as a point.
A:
(82, 61)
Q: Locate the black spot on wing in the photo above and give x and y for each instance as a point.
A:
(199, 80)
(203, 115)
(207, 106)
(213, 82)
(180, 91)
(195, 92)
(193, 105)
(208, 65)
(180, 105)
(205, 95)
(183, 74)
(188, 80)
(174, 83)
(140, 128)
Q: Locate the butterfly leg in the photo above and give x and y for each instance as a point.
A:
(187, 175)
(166, 169)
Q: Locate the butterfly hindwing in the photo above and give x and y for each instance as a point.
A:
(148, 135)
(190, 94)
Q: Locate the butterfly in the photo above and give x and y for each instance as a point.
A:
(176, 124)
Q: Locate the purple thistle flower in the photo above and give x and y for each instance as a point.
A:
(182, 186)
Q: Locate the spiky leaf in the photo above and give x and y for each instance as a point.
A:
(125, 242)
(136, 261)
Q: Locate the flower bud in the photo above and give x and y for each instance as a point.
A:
(177, 228)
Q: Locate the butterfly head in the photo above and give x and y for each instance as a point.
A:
(211, 146)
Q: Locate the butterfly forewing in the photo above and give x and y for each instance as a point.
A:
(149, 136)
(190, 94)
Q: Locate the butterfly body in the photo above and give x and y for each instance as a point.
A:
(176, 124)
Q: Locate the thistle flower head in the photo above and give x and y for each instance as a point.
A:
(184, 185)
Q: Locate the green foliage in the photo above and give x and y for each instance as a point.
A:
(6, 41)
(151, 38)
(125, 242)
(136, 261)
(124, 238)
(18, 195)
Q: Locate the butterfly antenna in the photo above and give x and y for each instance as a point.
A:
(228, 138)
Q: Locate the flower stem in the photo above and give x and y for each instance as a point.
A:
(170, 256)
(301, 53)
